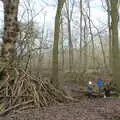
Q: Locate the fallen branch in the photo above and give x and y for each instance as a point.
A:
(15, 107)
(22, 87)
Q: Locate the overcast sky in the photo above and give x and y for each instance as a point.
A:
(46, 9)
(42, 8)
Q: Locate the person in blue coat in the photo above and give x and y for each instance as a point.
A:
(100, 84)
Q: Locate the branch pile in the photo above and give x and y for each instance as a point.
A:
(20, 89)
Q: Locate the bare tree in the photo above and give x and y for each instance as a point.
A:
(115, 44)
(54, 78)
(10, 29)
(69, 18)
(99, 36)
(62, 43)
(85, 44)
(110, 32)
(91, 33)
(81, 17)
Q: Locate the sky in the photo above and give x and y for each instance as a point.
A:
(46, 10)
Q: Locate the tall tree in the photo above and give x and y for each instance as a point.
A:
(10, 29)
(69, 18)
(115, 44)
(91, 34)
(54, 78)
(109, 27)
(62, 43)
(85, 44)
(81, 17)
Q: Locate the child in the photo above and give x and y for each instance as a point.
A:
(89, 89)
(107, 89)
(100, 84)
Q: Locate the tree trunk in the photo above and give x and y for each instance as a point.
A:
(81, 15)
(70, 47)
(10, 29)
(85, 44)
(54, 78)
(93, 49)
(110, 36)
(69, 17)
(115, 44)
(62, 43)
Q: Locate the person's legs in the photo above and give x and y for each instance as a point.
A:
(104, 96)
(89, 94)
(108, 93)
(100, 90)
(104, 92)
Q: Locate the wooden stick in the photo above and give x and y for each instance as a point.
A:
(14, 107)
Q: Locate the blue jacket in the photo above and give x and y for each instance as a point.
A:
(100, 82)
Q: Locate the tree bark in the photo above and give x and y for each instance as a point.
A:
(110, 35)
(69, 17)
(115, 44)
(62, 44)
(10, 29)
(93, 49)
(81, 15)
(85, 45)
(54, 78)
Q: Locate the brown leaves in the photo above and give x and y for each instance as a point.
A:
(94, 109)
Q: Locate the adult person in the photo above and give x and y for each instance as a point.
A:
(100, 84)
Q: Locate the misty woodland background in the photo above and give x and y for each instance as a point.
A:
(48, 44)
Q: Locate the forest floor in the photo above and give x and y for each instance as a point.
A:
(84, 109)
(87, 109)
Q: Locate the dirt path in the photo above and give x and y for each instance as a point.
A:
(94, 109)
